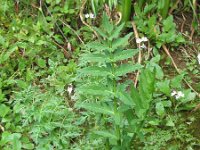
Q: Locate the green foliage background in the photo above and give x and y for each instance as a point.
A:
(43, 52)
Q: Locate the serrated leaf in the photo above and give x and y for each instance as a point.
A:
(125, 98)
(97, 46)
(146, 86)
(168, 24)
(136, 97)
(124, 54)
(127, 68)
(116, 32)
(101, 33)
(94, 58)
(176, 81)
(121, 42)
(106, 25)
(106, 134)
(163, 86)
(97, 108)
(95, 71)
(94, 90)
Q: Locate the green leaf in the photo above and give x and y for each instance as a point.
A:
(163, 86)
(146, 86)
(106, 25)
(167, 103)
(94, 90)
(139, 108)
(97, 46)
(170, 122)
(41, 62)
(160, 110)
(4, 110)
(168, 24)
(95, 71)
(116, 32)
(176, 81)
(121, 42)
(136, 97)
(124, 54)
(94, 58)
(101, 33)
(97, 108)
(125, 98)
(5, 56)
(126, 68)
(106, 134)
(28, 146)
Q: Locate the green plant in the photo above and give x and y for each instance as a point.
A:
(163, 33)
(119, 114)
(42, 121)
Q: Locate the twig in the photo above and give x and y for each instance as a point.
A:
(182, 25)
(82, 18)
(139, 55)
(192, 31)
(55, 23)
(65, 52)
(174, 6)
(2, 128)
(175, 66)
(72, 30)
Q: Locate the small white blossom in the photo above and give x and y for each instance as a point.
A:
(140, 40)
(177, 94)
(173, 93)
(70, 89)
(92, 16)
(144, 39)
(198, 57)
(87, 15)
(143, 46)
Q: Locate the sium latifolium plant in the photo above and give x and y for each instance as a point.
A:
(119, 113)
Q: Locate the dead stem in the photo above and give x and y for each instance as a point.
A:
(140, 54)
(82, 18)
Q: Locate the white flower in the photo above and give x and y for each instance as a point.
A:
(143, 39)
(198, 57)
(177, 94)
(173, 93)
(87, 15)
(92, 16)
(143, 46)
(70, 89)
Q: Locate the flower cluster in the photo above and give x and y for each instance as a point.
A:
(141, 40)
(177, 94)
(90, 15)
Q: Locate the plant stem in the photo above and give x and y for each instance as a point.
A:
(117, 128)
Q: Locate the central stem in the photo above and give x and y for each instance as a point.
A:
(117, 127)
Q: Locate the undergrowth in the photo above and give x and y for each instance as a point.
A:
(68, 75)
